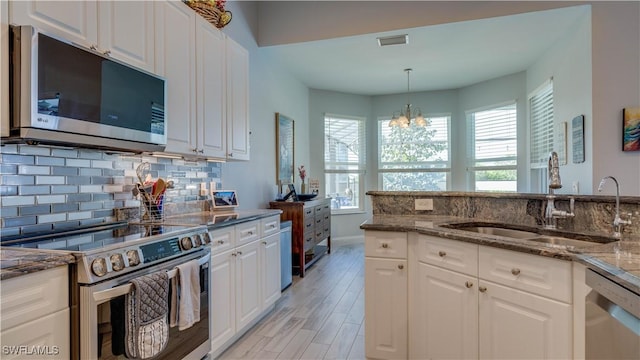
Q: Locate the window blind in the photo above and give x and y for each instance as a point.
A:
(344, 142)
(541, 113)
(495, 136)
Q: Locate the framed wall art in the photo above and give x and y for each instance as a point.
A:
(284, 150)
(631, 129)
(577, 139)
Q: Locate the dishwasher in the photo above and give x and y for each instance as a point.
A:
(286, 259)
(612, 320)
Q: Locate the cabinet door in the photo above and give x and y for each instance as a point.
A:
(223, 298)
(4, 69)
(126, 31)
(247, 284)
(237, 101)
(49, 334)
(270, 263)
(210, 90)
(75, 21)
(385, 307)
(176, 62)
(519, 325)
(444, 320)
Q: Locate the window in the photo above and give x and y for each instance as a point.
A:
(344, 162)
(414, 158)
(493, 160)
(541, 115)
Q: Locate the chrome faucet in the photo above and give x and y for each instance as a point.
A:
(551, 213)
(617, 221)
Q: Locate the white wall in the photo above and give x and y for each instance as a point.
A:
(568, 62)
(272, 89)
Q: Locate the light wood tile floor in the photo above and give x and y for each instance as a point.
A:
(320, 316)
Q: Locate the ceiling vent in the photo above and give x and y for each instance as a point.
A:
(393, 40)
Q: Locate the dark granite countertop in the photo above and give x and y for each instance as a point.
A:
(15, 262)
(20, 261)
(219, 219)
(619, 263)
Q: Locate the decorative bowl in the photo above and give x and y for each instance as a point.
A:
(306, 197)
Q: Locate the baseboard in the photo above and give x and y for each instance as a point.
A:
(347, 239)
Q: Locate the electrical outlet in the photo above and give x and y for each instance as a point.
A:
(203, 189)
(424, 204)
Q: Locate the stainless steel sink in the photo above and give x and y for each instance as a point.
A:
(498, 231)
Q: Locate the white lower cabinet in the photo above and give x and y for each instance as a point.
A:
(464, 301)
(245, 278)
(34, 315)
(385, 297)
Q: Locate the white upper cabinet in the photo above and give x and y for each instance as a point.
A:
(120, 29)
(237, 101)
(207, 86)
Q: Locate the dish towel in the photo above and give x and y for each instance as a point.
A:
(185, 295)
(146, 309)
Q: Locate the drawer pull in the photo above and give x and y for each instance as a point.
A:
(482, 289)
(515, 271)
(234, 254)
(239, 252)
(385, 245)
(442, 253)
(400, 266)
(468, 284)
(220, 242)
(264, 243)
(250, 232)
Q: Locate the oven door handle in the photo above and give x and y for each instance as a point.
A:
(108, 294)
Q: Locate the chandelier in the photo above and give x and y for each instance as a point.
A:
(404, 117)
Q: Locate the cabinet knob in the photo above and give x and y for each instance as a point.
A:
(482, 289)
(400, 266)
(107, 53)
(442, 253)
(385, 245)
(515, 271)
(468, 284)
(264, 243)
(201, 151)
(230, 154)
(195, 150)
(234, 254)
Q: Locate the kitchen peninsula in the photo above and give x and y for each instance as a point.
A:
(423, 269)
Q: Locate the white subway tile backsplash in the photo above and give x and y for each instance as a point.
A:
(104, 164)
(79, 163)
(90, 188)
(51, 199)
(34, 150)
(17, 200)
(66, 153)
(79, 215)
(112, 188)
(51, 218)
(51, 180)
(33, 170)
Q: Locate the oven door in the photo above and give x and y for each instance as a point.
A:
(101, 309)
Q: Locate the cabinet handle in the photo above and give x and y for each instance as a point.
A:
(250, 232)
(264, 243)
(482, 289)
(93, 47)
(234, 254)
(201, 151)
(400, 266)
(220, 242)
(107, 53)
(442, 253)
(515, 271)
(230, 154)
(468, 284)
(239, 252)
(195, 150)
(385, 245)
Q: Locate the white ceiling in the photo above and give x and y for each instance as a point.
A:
(447, 56)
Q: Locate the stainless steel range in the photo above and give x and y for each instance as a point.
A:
(108, 258)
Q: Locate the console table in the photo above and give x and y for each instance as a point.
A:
(311, 225)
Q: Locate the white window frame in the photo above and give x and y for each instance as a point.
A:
(445, 166)
(472, 165)
(541, 133)
(359, 168)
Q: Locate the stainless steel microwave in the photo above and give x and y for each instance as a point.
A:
(62, 93)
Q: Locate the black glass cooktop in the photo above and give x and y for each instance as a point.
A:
(90, 238)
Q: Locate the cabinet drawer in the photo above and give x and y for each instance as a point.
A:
(533, 273)
(449, 254)
(270, 225)
(247, 232)
(222, 239)
(51, 330)
(385, 244)
(309, 224)
(33, 296)
(308, 212)
(309, 241)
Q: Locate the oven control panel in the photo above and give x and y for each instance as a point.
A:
(111, 263)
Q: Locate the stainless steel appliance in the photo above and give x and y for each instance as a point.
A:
(108, 258)
(612, 320)
(286, 257)
(62, 93)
